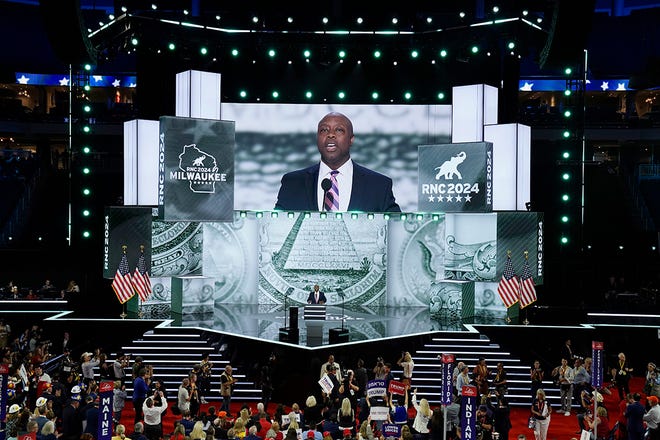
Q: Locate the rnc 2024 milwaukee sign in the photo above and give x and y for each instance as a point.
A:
(196, 169)
(456, 177)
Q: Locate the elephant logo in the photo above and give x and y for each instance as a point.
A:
(199, 162)
(449, 168)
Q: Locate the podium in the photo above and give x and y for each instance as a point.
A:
(314, 312)
(314, 316)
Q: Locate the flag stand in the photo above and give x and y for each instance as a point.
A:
(526, 321)
(123, 311)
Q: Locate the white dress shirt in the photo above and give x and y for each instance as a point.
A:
(344, 184)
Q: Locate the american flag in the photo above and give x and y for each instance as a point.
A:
(527, 289)
(141, 280)
(508, 286)
(121, 284)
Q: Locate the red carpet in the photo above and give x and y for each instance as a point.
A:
(561, 427)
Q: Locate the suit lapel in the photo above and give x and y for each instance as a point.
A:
(312, 178)
(357, 190)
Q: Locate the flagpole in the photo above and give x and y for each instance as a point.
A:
(123, 311)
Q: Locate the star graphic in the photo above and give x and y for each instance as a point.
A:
(459, 198)
(98, 78)
(450, 198)
(527, 87)
(605, 86)
(441, 199)
(468, 198)
(23, 79)
(621, 86)
(116, 83)
(431, 199)
(64, 81)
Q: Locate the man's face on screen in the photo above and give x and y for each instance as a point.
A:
(334, 139)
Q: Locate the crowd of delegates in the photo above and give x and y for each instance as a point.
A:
(64, 402)
(46, 291)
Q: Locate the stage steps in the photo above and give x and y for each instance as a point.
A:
(468, 347)
(173, 352)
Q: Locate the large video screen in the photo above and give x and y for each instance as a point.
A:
(273, 139)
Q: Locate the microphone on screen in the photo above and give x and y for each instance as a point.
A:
(326, 184)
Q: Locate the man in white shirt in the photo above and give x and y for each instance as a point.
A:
(183, 396)
(331, 361)
(153, 427)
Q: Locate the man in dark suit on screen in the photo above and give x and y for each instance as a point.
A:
(316, 296)
(336, 183)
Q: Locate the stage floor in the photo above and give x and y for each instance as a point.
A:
(264, 322)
